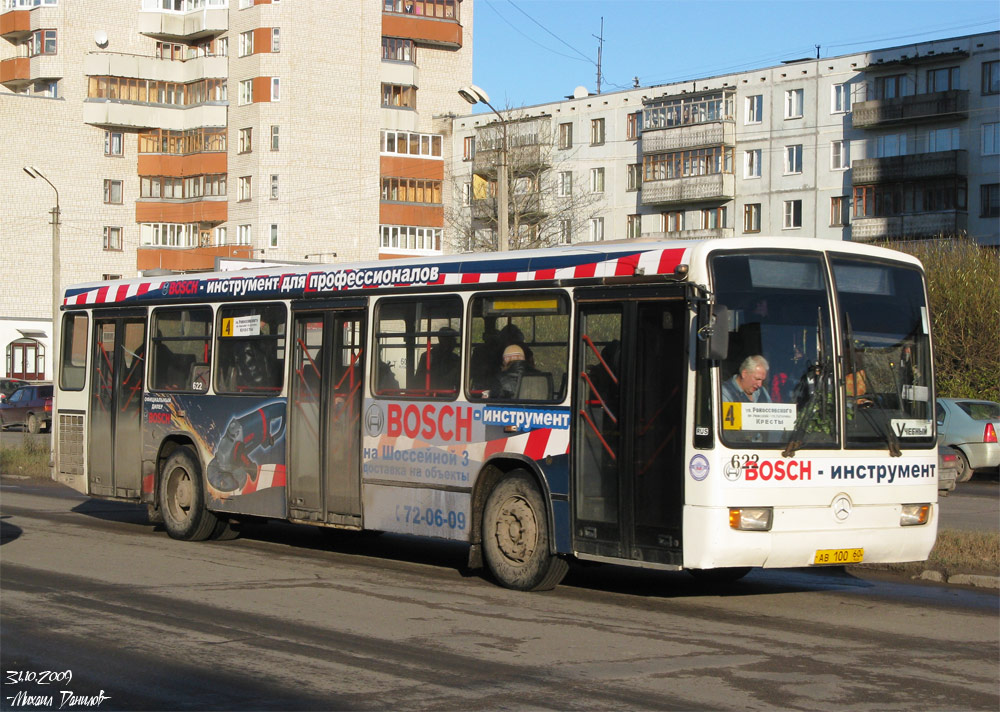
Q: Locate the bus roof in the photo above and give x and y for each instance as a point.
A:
(586, 261)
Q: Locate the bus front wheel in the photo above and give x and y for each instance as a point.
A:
(182, 498)
(516, 536)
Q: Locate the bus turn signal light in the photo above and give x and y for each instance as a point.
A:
(754, 519)
(914, 514)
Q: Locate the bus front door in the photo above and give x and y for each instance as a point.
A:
(114, 467)
(324, 462)
(628, 463)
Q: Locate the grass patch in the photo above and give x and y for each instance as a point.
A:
(955, 552)
(28, 459)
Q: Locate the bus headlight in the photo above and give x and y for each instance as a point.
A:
(914, 514)
(754, 519)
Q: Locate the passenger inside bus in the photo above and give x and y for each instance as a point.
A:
(519, 379)
(438, 368)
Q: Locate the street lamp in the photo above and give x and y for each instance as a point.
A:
(56, 292)
(475, 95)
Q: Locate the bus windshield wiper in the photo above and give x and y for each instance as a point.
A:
(864, 404)
(811, 407)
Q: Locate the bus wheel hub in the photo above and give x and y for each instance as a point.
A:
(516, 530)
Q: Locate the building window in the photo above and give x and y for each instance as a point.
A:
(793, 103)
(112, 143)
(943, 79)
(596, 180)
(991, 139)
(565, 232)
(633, 125)
(713, 218)
(673, 221)
(406, 143)
(272, 240)
(838, 211)
(793, 159)
(113, 192)
(246, 44)
(793, 214)
(751, 217)
(754, 109)
(634, 176)
(169, 234)
(991, 77)
(891, 87)
(565, 135)
(109, 277)
(399, 96)
(41, 42)
(275, 89)
(840, 155)
(565, 183)
(751, 163)
(409, 237)
(466, 194)
(274, 187)
(274, 137)
(275, 39)
(468, 148)
(596, 229)
(243, 192)
(840, 99)
(596, 132)
(686, 164)
(633, 226)
(398, 50)
(989, 200)
(890, 145)
(112, 238)
(243, 235)
(411, 190)
(942, 140)
(246, 92)
(220, 235)
(246, 140)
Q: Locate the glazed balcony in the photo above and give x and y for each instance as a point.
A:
(919, 166)
(917, 108)
(204, 210)
(118, 64)
(197, 19)
(188, 259)
(679, 138)
(710, 188)
(945, 223)
(431, 22)
(126, 115)
(715, 233)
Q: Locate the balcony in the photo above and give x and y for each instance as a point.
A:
(15, 25)
(920, 166)
(698, 189)
(946, 223)
(207, 210)
(109, 113)
(678, 138)
(15, 72)
(953, 104)
(184, 27)
(711, 233)
(161, 164)
(188, 259)
(135, 66)
(529, 207)
(430, 22)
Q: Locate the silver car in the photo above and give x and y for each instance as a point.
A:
(970, 426)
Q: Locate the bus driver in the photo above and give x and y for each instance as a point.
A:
(747, 384)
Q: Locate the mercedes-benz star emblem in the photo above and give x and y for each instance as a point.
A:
(842, 507)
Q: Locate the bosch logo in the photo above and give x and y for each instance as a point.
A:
(374, 420)
(189, 286)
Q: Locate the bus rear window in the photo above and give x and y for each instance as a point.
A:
(181, 344)
(519, 347)
(251, 349)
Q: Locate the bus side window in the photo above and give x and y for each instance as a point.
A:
(418, 346)
(251, 349)
(181, 338)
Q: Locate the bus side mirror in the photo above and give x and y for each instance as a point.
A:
(713, 333)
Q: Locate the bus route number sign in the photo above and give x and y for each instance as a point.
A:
(241, 326)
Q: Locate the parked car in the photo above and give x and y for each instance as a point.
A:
(9, 385)
(948, 458)
(30, 406)
(970, 426)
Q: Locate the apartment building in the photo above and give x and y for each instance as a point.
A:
(897, 143)
(174, 133)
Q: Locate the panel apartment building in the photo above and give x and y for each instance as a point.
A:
(176, 132)
(898, 143)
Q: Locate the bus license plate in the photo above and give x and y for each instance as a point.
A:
(839, 556)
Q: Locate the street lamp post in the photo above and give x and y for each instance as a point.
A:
(475, 95)
(56, 267)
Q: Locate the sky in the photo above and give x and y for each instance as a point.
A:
(531, 52)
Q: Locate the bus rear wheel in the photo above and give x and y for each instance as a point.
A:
(182, 498)
(516, 537)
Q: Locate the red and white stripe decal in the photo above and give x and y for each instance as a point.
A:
(267, 476)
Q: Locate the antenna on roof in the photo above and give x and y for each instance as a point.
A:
(600, 47)
(817, 51)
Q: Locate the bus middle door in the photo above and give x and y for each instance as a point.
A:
(324, 462)
(628, 445)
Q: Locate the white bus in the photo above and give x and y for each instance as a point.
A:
(702, 405)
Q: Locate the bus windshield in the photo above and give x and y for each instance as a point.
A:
(777, 381)
(886, 354)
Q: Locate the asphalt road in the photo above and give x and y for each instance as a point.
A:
(296, 618)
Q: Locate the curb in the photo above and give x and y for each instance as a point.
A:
(975, 580)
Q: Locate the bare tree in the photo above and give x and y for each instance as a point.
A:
(546, 205)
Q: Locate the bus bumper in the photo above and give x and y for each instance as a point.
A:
(798, 533)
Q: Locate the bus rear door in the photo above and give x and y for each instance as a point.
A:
(324, 462)
(118, 362)
(629, 409)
